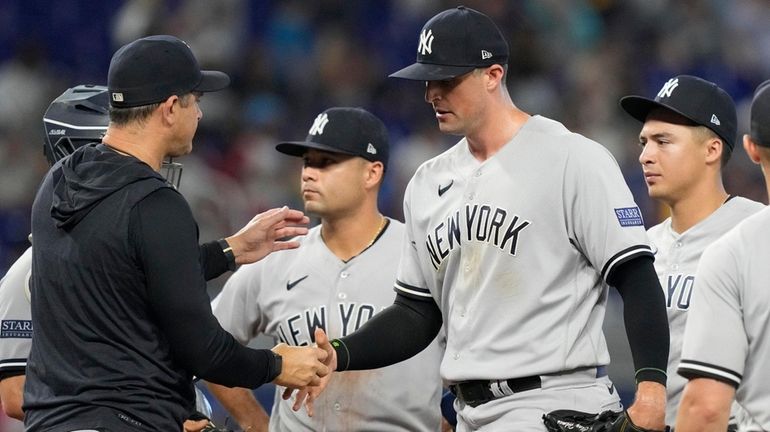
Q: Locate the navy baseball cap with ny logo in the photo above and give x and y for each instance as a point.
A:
(700, 101)
(350, 131)
(453, 43)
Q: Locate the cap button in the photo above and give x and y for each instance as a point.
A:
(461, 7)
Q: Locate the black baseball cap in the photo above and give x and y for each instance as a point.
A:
(760, 115)
(351, 131)
(696, 99)
(455, 42)
(150, 69)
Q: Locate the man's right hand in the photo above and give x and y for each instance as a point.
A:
(309, 394)
(301, 366)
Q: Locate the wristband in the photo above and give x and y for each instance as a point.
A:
(229, 255)
(343, 355)
(276, 366)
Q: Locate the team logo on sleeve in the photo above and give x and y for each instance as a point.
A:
(16, 329)
(629, 216)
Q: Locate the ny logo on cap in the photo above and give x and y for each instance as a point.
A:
(668, 88)
(319, 124)
(426, 42)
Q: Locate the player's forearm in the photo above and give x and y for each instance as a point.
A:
(705, 406)
(176, 295)
(11, 392)
(693, 417)
(644, 313)
(243, 406)
(395, 334)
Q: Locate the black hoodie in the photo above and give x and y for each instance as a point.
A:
(119, 303)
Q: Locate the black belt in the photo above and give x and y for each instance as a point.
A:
(478, 392)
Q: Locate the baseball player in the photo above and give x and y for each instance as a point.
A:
(122, 321)
(512, 236)
(77, 117)
(340, 277)
(688, 135)
(726, 349)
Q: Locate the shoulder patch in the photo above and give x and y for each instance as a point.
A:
(16, 329)
(629, 216)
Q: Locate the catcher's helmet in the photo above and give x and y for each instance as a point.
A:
(78, 117)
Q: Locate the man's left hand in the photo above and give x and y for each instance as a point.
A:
(262, 234)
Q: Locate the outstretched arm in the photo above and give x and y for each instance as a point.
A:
(257, 239)
(401, 331)
(644, 312)
(262, 234)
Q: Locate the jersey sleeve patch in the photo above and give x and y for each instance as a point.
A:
(16, 329)
(695, 369)
(629, 216)
(412, 291)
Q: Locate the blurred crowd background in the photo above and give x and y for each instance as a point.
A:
(290, 59)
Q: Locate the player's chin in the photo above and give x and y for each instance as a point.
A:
(656, 192)
(449, 128)
(313, 207)
(180, 151)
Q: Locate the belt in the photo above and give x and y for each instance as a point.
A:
(478, 392)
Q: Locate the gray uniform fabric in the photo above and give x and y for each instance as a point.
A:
(515, 251)
(727, 336)
(289, 293)
(676, 260)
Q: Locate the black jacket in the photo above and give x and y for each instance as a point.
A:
(119, 303)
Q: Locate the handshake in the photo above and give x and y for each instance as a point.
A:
(306, 370)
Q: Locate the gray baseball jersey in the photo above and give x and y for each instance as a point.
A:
(515, 251)
(676, 260)
(15, 315)
(289, 293)
(727, 336)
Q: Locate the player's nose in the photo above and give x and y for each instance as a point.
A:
(431, 92)
(646, 155)
(309, 173)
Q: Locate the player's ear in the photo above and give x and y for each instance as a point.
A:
(714, 148)
(374, 173)
(751, 148)
(169, 108)
(496, 73)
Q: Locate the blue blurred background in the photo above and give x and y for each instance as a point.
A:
(289, 60)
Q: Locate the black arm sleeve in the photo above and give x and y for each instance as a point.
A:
(397, 333)
(164, 235)
(213, 260)
(644, 313)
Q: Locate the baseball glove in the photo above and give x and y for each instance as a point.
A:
(578, 421)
